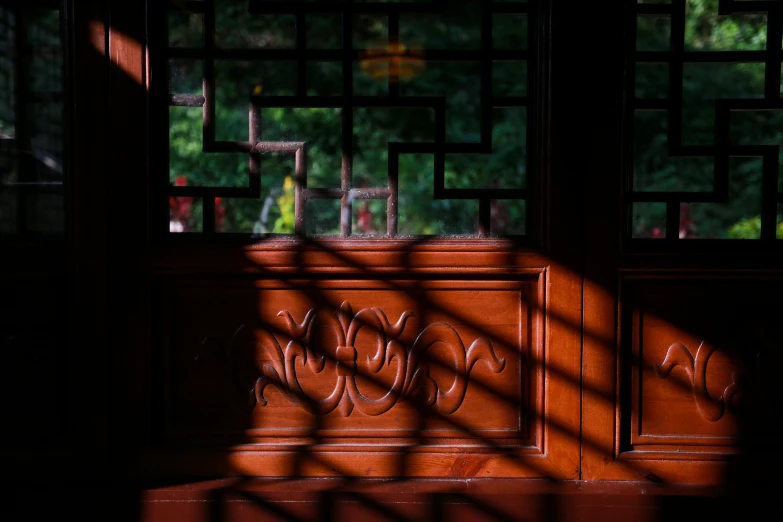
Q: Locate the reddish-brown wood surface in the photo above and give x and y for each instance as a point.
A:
(483, 322)
(667, 337)
(326, 500)
(583, 326)
(515, 418)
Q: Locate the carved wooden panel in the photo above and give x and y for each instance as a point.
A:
(369, 363)
(699, 364)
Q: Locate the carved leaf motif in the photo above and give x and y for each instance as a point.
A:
(412, 377)
(678, 354)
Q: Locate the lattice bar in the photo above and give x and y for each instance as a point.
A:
(300, 54)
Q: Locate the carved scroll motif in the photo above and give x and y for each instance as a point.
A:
(678, 354)
(412, 370)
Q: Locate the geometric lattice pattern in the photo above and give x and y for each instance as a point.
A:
(348, 56)
(31, 119)
(751, 42)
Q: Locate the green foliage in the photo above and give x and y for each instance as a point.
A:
(751, 229)
(285, 223)
(373, 128)
(703, 84)
(458, 83)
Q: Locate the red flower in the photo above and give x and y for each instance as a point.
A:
(364, 219)
(220, 214)
(687, 228)
(180, 208)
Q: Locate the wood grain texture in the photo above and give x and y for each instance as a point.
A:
(247, 500)
(639, 424)
(617, 364)
(698, 359)
(491, 500)
(701, 352)
(294, 350)
(417, 378)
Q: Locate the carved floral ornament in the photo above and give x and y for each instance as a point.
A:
(678, 354)
(412, 376)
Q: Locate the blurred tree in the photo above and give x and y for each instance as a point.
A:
(703, 83)
(458, 82)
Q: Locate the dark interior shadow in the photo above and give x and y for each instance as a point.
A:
(749, 489)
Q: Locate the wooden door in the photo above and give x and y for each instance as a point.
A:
(356, 332)
(389, 239)
(448, 348)
(682, 303)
